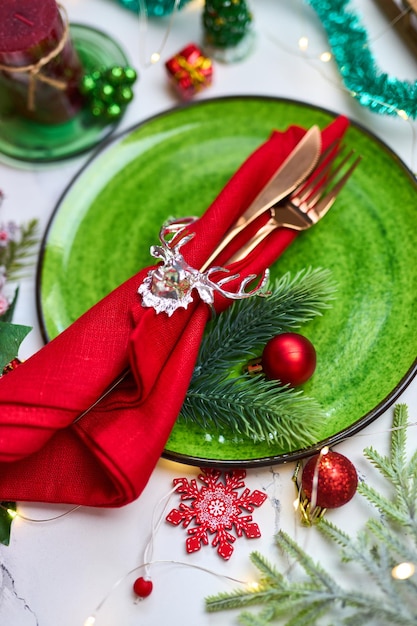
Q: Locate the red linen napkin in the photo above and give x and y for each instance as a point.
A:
(106, 457)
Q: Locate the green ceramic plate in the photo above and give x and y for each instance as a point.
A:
(174, 164)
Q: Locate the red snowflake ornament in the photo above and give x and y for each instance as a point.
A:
(216, 509)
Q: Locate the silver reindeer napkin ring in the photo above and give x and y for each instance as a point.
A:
(169, 286)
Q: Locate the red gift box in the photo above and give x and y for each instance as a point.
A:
(190, 71)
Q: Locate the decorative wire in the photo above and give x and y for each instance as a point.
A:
(143, 23)
(91, 619)
(38, 521)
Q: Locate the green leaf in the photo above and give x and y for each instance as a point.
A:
(6, 521)
(11, 336)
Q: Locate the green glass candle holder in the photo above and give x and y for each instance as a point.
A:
(25, 140)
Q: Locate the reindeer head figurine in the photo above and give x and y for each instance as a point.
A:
(169, 286)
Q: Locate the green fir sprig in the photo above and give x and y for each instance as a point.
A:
(18, 253)
(386, 540)
(220, 395)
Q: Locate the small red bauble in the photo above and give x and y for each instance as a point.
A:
(337, 479)
(142, 587)
(11, 366)
(289, 358)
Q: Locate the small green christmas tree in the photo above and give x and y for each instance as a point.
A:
(226, 22)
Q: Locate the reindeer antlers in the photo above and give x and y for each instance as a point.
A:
(169, 286)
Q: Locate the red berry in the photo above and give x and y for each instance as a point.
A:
(289, 358)
(337, 479)
(142, 587)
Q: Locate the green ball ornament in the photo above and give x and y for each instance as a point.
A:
(130, 75)
(124, 95)
(115, 75)
(114, 111)
(97, 108)
(88, 84)
(106, 93)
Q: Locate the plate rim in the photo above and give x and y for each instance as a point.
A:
(263, 461)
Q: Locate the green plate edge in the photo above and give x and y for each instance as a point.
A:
(174, 164)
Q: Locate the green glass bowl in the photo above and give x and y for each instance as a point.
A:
(28, 141)
(174, 164)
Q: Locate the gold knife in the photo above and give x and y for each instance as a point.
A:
(295, 168)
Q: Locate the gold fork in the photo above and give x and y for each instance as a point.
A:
(307, 204)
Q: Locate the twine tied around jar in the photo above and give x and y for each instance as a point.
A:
(34, 70)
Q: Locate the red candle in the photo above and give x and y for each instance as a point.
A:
(39, 68)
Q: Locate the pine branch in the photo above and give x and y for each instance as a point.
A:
(314, 597)
(255, 408)
(318, 575)
(402, 476)
(363, 552)
(380, 545)
(220, 396)
(398, 545)
(269, 572)
(17, 255)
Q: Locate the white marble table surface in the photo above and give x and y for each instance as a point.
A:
(55, 574)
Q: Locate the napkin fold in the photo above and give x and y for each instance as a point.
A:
(48, 453)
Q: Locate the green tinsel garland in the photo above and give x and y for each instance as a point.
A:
(348, 40)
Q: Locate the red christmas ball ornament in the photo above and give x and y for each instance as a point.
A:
(289, 358)
(142, 587)
(336, 478)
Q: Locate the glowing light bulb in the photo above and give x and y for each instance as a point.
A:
(155, 56)
(402, 114)
(303, 43)
(12, 513)
(90, 621)
(253, 586)
(402, 571)
(325, 57)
